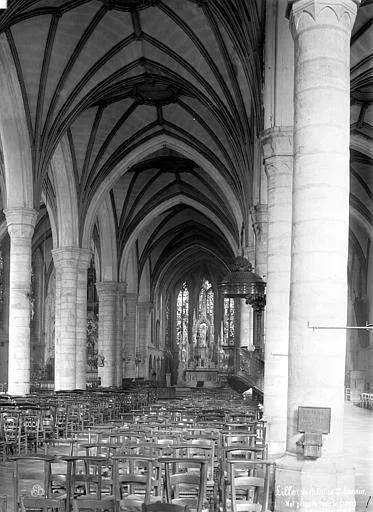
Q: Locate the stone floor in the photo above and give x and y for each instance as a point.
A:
(358, 446)
(359, 451)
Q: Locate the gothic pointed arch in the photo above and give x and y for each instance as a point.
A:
(63, 178)
(141, 152)
(15, 135)
(178, 200)
(108, 243)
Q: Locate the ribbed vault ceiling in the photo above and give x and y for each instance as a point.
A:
(112, 75)
(361, 198)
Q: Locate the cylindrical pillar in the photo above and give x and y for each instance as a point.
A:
(278, 157)
(21, 224)
(121, 293)
(130, 337)
(260, 226)
(66, 262)
(321, 31)
(144, 335)
(81, 320)
(318, 288)
(107, 327)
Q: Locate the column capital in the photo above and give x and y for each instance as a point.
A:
(249, 252)
(85, 258)
(277, 141)
(107, 288)
(132, 296)
(259, 214)
(146, 304)
(122, 288)
(66, 255)
(21, 221)
(304, 14)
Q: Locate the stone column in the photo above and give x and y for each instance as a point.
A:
(369, 352)
(121, 293)
(246, 311)
(130, 343)
(81, 320)
(66, 262)
(107, 327)
(21, 224)
(278, 157)
(318, 289)
(260, 226)
(144, 309)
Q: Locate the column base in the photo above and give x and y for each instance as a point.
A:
(107, 376)
(276, 435)
(326, 484)
(19, 388)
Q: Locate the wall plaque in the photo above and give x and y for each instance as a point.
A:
(314, 419)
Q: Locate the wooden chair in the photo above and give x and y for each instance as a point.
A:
(47, 423)
(202, 449)
(31, 435)
(32, 482)
(261, 439)
(136, 481)
(184, 485)
(6, 446)
(249, 486)
(12, 430)
(89, 480)
(236, 452)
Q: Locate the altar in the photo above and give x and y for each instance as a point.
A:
(202, 377)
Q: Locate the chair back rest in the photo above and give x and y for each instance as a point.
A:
(163, 507)
(179, 482)
(133, 473)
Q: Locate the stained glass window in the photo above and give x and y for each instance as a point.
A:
(206, 300)
(182, 321)
(167, 322)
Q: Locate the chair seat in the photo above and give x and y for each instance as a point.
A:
(190, 506)
(105, 497)
(133, 502)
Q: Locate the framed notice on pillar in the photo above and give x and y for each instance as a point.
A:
(314, 419)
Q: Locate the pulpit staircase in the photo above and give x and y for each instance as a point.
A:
(248, 373)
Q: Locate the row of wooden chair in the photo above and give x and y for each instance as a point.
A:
(125, 482)
(366, 400)
(215, 433)
(26, 424)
